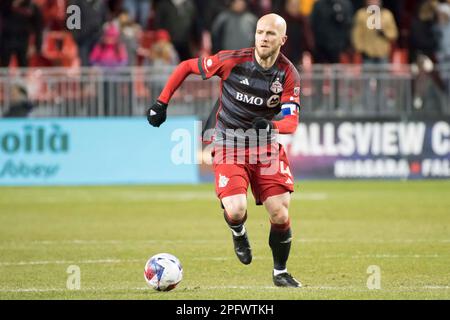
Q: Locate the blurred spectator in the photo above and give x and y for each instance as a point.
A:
(161, 55)
(304, 6)
(178, 17)
(209, 10)
(396, 7)
(110, 52)
(278, 6)
(425, 36)
(162, 52)
(93, 16)
(234, 28)
(59, 49)
(20, 105)
(259, 7)
(139, 11)
(20, 19)
(130, 33)
(425, 39)
(54, 13)
(358, 4)
(331, 22)
(374, 44)
(298, 31)
(444, 26)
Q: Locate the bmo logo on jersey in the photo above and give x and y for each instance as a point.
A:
(249, 99)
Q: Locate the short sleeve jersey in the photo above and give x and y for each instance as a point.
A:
(248, 90)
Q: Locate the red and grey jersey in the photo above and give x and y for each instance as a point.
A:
(249, 91)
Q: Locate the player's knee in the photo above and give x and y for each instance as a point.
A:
(236, 208)
(236, 212)
(279, 213)
(279, 217)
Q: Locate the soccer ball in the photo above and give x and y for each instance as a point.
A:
(163, 272)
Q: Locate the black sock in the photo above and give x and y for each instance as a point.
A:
(236, 226)
(280, 243)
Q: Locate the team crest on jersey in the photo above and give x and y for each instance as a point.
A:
(273, 101)
(276, 86)
(223, 181)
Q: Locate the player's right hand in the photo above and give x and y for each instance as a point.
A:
(157, 113)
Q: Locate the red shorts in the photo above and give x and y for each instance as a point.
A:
(268, 176)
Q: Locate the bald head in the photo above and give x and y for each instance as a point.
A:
(275, 22)
(270, 36)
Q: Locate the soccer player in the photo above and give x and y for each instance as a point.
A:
(257, 84)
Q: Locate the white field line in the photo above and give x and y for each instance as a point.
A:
(370, 241)
(334, 256)
(5, 244)
(231, 287)
(68, 262)
(343, 288)
(224, 258)
(140, 196)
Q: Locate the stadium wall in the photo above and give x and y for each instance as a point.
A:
(95, 151)
(370, 149)
(351, 148)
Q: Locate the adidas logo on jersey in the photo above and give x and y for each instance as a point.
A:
(289, 181)
(245, 81)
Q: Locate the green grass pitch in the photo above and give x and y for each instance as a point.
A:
(340, 229)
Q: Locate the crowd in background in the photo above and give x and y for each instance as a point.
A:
(114, 33)
(139, 32)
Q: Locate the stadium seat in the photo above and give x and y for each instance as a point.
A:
(60, 48)
(13, 62)
(351, 58)
(146, 41)
(40, 3)
(399, 56)
(140, 89)
(345, 58)
(307, 69)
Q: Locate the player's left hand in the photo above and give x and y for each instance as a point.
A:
(262, 124)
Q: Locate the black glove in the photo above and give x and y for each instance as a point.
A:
(262, 124)
(157, 114)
